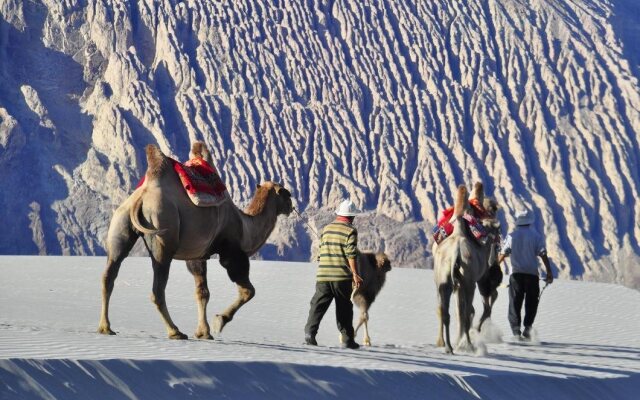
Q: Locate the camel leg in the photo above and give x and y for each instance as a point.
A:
(440, 339)
(366, 340)
(246, 291)
(444, 298)
(465, 315)
(364, 318)
(120, 240)
(462, 311)
(160, 279)
(471, 312)
(487, 303)
(108, 281)
(236, 263)
(198, 269)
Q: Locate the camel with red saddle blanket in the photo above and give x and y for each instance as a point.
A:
(172, 227)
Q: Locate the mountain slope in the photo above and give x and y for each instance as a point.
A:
(391, 102)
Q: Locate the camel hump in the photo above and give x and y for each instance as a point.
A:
(157, 162)
(200, 150)
(478, 192)
(462, 197)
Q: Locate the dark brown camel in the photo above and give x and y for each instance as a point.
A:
(373, 268)
(173, 228)
(491, 280)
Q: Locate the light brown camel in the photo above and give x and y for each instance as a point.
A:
(373, 268)
(173, 228)
(459, 262)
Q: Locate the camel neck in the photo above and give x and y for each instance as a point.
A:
(256, 229)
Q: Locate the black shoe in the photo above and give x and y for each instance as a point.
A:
(516, 335)
(310, 340)
(527, 333)
(350, 344)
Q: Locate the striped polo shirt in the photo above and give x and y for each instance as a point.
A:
(338, 243)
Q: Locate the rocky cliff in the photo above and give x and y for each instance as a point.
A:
(391, 102)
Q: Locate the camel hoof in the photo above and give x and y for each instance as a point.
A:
(448, 350)
(366, 342)
(466, 347)
(218, 323)
(106, 331)
(206, 336)
(178, 336)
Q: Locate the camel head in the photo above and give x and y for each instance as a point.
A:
(492, 224)
(271, 191)
(383, 263)
(491, 205)
(285, 205)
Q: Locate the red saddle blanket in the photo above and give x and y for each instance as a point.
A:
(201, 182)
(444, 228)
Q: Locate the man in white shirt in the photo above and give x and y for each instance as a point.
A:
(524, 245)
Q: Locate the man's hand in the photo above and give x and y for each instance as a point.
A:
(357, 280)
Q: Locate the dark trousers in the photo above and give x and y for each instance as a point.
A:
(523, 287)
(320, 302)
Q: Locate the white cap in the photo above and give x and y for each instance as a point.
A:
(524, 217)
(347, 209)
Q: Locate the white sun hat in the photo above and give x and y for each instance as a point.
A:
(347, 209)
(524, 217)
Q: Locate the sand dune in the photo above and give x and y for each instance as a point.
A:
(586, 341)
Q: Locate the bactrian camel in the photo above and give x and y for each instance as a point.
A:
(373, 268)
(173, 228)
(459, 262)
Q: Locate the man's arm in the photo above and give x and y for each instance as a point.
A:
(547, 266)
(505, 251)
(351, 252)
(357, 280)
(501, 258)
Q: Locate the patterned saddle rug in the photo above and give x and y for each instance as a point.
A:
(444, 228)
(200, 181)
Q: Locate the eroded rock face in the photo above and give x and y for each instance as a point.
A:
(393, 103)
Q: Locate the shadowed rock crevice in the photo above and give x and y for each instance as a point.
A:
(46, 105)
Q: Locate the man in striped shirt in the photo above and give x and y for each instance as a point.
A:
(336, 276)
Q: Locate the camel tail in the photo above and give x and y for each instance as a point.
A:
(456, 275)
(134, 213)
